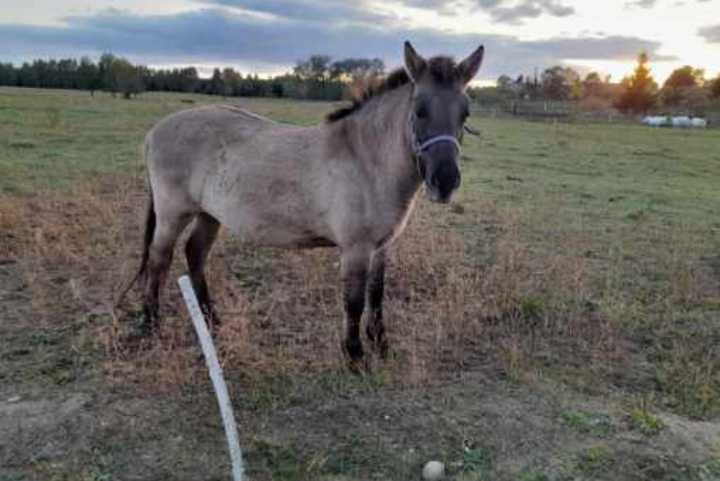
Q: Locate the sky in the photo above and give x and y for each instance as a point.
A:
(268, 36)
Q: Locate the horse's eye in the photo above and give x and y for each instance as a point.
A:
(422, 112)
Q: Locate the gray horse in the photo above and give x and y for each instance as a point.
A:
(349, 183)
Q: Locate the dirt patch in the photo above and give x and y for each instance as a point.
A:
(40, 428)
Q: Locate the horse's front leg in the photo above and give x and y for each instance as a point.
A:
(355, 262)
(376, 287)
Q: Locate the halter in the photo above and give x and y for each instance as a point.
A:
(436, 140)
(419, 147)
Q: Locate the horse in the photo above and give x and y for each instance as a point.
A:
(349, 183)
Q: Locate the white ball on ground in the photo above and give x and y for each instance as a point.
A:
(433, 471)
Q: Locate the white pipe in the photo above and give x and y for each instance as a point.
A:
(216, 375)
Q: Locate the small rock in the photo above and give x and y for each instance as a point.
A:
(433, 471)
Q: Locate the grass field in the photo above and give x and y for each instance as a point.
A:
(559, 321)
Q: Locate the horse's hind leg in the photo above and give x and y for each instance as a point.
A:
(167, 230)
(197, 249)
(376, 287)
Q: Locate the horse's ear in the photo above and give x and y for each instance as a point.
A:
(414, 63)
(468, 68)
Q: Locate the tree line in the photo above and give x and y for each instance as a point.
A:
(321, 78)
(317, 77)
(685, 89)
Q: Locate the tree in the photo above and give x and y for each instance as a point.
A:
(561, 83)
(27, 76)
(317, 68)
(232, 81)
(505, 83)
(66, 75)
(715, 88)
(639, 90)
(8, 76)
(104, 72)
(125, 77)
(592, 85)
(313, 79)
(217, 86)
(529, 88)
(354, 69)
(677, 88)
(88, 75)
(685, 77)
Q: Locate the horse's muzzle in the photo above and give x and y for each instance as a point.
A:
(442, 177)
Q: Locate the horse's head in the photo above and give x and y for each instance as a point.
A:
(437, 117)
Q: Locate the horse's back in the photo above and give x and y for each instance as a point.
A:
(182, 148)
(191, 129)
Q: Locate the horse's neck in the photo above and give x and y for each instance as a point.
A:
(379, 137)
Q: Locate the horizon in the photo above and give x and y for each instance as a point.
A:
(266, 37)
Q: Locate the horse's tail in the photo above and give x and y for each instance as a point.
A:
(150, 222)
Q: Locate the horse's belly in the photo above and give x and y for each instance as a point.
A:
(263, 210)
(279, 232)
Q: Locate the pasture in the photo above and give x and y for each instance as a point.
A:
(560, 320)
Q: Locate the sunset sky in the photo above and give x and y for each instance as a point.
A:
(268, 36)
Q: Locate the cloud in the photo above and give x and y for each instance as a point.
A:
(221, 37)
(711, 33)
(641, 4)
(615, 47)
(443, 7)
(515, 15)
(325, 11)
(652, 3)
(501, 12)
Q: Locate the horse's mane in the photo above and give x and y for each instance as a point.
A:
(442, 69)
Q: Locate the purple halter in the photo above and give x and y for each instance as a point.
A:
(420, 147)
(436, 140)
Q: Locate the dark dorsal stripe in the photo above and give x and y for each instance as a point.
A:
(442, 70)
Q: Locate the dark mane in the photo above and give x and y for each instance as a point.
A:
(442, 69)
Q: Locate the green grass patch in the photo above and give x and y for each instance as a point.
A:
(596, 424)
(645, 422)
(595, 459)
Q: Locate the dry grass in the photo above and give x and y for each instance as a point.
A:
(281, 309)
(513, 310)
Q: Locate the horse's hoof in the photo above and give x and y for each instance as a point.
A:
(212, 319)
(355, 356)
(136, 339)
(147, 328)
(357, 368)
(378, 340)
(213, 325)
(382, 348)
